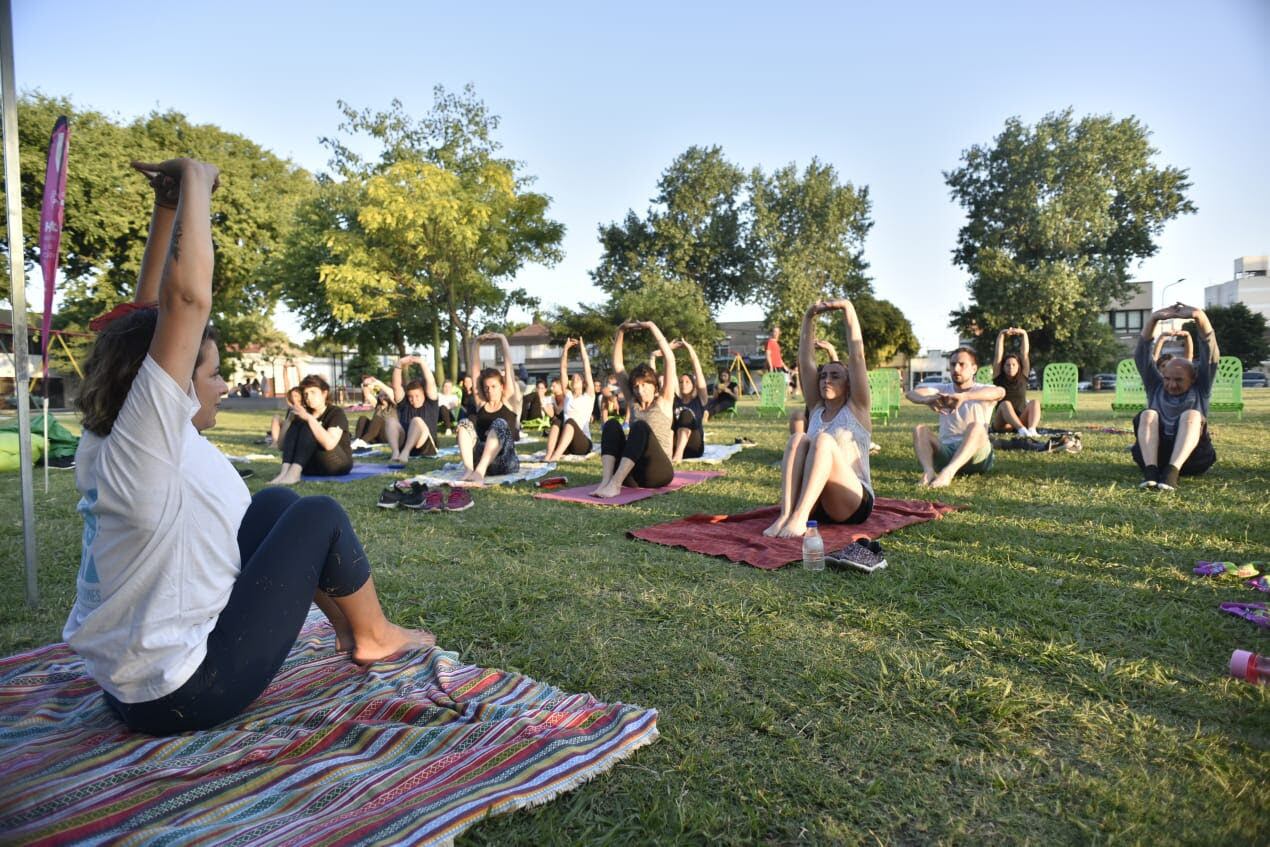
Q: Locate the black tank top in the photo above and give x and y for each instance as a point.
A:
(485, 419)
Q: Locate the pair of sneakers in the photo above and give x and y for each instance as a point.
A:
(408, 494)
(1028, 432)
(1165, 480)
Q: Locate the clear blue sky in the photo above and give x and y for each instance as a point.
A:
(597, 99)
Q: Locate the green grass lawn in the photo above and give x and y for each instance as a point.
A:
(1041, 667)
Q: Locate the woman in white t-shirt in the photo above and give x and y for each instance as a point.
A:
(571, 427)
(190, 591)
(825, 473)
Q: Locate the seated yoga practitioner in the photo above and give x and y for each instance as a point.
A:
(688, 423)
(535, 405)
(191, 591)
(724, 398)
(571, 429)
(964, 407)
(825, 473)
(487, 439)
(642, 456)
(447, 407)
(1009, 371)
(373, 429)
(318, 442)
(1171, 433)
(280, 423)
(467, 398)
(413, 432)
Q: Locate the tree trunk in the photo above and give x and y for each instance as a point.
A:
(399, 340)
(436, 346)
(454, 353)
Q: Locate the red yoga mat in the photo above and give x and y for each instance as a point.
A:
(741, 539)
(629, 494)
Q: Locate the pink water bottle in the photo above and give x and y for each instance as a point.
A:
(1249, 666)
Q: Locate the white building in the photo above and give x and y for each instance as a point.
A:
(1251, 286)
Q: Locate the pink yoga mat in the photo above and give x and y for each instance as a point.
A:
(582, 494)
(741, 539)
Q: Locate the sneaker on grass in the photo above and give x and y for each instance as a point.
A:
(394, 495)
(458, 500)
(431, 503)
(864, 555)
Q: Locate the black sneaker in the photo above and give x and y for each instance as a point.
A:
(392, 496)
(65, 463)
(246, 473)
(414, 498)
(863, 555)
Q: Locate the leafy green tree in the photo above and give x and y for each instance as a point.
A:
(108, 209)
(808, 236)
(1057, 213)
(887, 332)
(1240, 332)
(695, 231)
(422, 235)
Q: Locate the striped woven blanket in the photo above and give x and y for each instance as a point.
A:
(405, 753)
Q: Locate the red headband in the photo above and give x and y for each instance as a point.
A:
(118, 312)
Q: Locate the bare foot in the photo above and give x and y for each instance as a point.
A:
(793, 529)
(606, 491)
(941, 481)
(926, 479)
(775, 528)
(343, 637)
(394, 639)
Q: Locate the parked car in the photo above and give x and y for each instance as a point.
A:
(1103, 382)
(1033, 381)
(933, 380)
(1084, 385)
(1255, 379)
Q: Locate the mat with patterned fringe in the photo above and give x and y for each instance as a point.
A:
(407, 752)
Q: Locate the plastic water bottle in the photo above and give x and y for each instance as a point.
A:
(813, 549)
(1244, 664)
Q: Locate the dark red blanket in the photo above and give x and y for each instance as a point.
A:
(740, 537)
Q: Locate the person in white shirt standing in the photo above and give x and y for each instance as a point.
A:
(964, 408)
(191, 592)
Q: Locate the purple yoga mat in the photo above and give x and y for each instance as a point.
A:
(359, 471)
(582, 494)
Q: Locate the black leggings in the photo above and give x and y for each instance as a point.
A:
(371, 430)
(300, 447)
(696, 445)
(291, 547)
(652, 465)
(445, 419)
(579, 442)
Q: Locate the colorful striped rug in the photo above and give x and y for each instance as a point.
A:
(407, 753)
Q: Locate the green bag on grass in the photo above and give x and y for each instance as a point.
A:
(62, 445)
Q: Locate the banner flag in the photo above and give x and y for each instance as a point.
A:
(51, 216)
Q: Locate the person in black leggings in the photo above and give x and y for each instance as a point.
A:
(372, 429)
(318, 442)
(690, 409)
(487, 440)
(292, 548)
(642, 456)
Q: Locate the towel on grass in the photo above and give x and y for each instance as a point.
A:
(741, 539)
(582, 494)
(716, 453)
(408, 752)
(452, 474)
(567, 457)
(359, 471)
(256, 457)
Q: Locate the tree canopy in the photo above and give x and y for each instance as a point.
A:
(108, 209)
(415, 242)
(1240, 332)
(1057, 213)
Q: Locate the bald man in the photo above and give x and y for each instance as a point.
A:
(1172, 431)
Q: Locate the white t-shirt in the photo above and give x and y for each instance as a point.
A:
(447, 401)
(579, 410)
(953, 427)
(161, 511)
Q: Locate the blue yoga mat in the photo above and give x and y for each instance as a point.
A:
(359, 471)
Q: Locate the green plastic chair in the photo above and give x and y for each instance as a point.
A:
(880, 380)
(984, 374)
(1130, 397)
(772, 392)
(1058, 387)
(896, 392)
(1228, 387)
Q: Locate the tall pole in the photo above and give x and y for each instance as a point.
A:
(17, 292)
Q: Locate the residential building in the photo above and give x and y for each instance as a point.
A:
(1127, 317)
(745, 338)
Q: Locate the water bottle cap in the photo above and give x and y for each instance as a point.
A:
(812, 524)
(1239, 662)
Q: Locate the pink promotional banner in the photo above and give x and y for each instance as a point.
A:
(51, 216)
